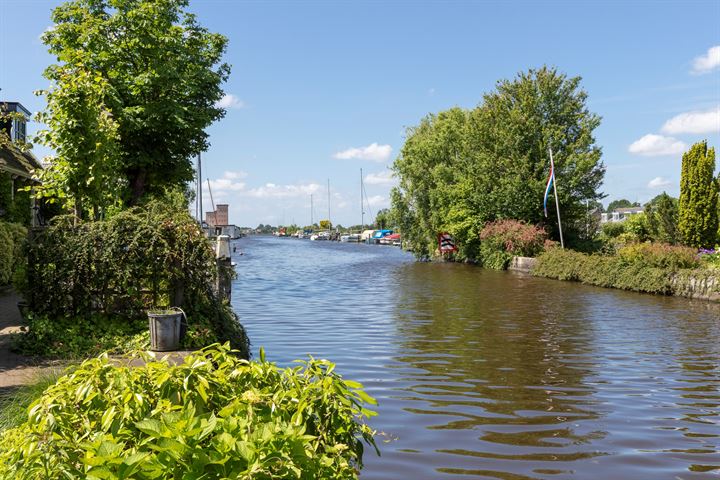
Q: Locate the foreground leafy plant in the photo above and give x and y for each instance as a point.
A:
(214, 416)
(15, 402)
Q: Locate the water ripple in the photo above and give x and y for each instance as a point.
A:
(483, 374)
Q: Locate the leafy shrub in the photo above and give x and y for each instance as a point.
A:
(613, 229)
(710, 258)
(637, 228)
(12, 240)
(149, 256)
(15, 402)
(80, 338)
(212, 417)
(502, 239)
(660, 255)
(607, 271)
(559, 263)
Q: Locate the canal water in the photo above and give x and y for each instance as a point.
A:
(484, 374)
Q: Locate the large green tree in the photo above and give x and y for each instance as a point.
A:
(621, 203)
(459, 169)
(662, 218)
(698, 206)
(135, 86)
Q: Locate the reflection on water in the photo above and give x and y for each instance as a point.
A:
(484, 374)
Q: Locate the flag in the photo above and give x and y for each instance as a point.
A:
(551, 179)
(446, 242)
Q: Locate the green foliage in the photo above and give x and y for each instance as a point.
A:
(662, 217)
(12, 240)
(212, 417)
(710, 258)
(646, 268)
(459, 169)
(636, 228)
(77, 338)
(613, 229)
(137, 83)
(84, 135)
(140, 258)
(15, 201)
(659, 255)
(15, 402)
(502, 239)
(382, 219)
(698, 205)
(621, 203)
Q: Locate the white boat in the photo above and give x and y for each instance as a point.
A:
(353, 237)
(364, 236)
(320, 236)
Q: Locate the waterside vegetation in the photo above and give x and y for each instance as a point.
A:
(89, 284)
(214, 416)
(481, 175)
(460, 169)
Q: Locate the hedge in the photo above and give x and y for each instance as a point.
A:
(12, 239)
(650, 268)
(146, 257)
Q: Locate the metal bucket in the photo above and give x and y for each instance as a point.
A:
(165, 331)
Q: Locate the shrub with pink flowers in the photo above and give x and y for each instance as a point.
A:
(502, 239)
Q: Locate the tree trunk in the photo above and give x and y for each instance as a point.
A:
(77, 210)
(138, 180)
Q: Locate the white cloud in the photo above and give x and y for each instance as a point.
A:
(708, 62)
(227, 183)
(234, 175)
(658, 182)
(694, 122)
(373, 152)
(656, 145)
(383, 178)
(377, 201)
(271, 190)
(230, 101)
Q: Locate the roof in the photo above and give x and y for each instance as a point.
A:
(16, 162)
(15, 107)
(629, 210)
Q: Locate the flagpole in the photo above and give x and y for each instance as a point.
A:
(557, 202)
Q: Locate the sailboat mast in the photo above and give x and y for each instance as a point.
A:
(199, 192)
(311, 212)
(211, 197)
(362, 206)
(329, 223)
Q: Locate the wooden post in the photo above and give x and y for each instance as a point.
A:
(224, 266)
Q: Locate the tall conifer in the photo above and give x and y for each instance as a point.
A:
(698, 207)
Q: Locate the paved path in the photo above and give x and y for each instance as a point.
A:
(15, 370)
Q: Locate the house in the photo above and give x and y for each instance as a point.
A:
(620, 214)
(16, 165)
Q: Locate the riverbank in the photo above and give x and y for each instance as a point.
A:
(614, 272)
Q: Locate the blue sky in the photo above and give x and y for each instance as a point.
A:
(321, 89)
